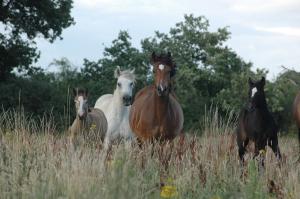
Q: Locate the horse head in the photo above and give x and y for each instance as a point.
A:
(125, 84)
(164, 69)
(256, 93)
(81, 102)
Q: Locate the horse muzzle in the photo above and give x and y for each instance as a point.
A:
(81, 117)
(162, 90)
(127, 100)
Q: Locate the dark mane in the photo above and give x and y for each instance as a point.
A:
(164, 58)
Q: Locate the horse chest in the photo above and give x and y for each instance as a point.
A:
(153, 117)
(160, 125)
(259, 125)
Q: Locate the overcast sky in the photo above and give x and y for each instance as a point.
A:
(266, 32)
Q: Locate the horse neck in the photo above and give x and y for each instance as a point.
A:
(119, 108)
(262, 103)
(81, 124)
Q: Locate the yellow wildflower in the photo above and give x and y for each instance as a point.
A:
(262, 151)
(93, 127)
(216, 197)
(168, 192)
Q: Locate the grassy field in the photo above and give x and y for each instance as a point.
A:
(36, 162)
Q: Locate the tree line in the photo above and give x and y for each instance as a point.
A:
(209, 72)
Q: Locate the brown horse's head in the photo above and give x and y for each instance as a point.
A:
(81, 102)
(164, 69)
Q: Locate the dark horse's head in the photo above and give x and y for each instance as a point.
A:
(256, 93)
(164, 69)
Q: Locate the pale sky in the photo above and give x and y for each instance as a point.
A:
(266, 33)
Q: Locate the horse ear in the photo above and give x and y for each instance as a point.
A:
(132, 71)
(153, 57)
(74, 91)
(86, 92)
(117, 72)
(173, 71)
(169, 54)
(250, 81)
(263, 81)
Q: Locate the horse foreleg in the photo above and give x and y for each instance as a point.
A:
(260, 153)
(242, 150)
(107, 146)
(180, 148)
(299, 141)
(275, 148)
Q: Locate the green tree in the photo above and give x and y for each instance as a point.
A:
(23, 21)
(206, 66)
(99, 75)
(208, 70)
(281, 94)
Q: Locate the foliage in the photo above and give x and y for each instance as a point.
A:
(282, 94)
(205, 65)
(209, 73)
(99, 76)
(22, 22)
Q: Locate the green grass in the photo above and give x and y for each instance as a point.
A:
(36, 162)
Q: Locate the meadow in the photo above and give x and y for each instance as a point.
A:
(36, 161)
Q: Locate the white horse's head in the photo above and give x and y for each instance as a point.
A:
(125, 84)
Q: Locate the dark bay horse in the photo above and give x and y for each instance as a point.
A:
(296, 114)
(156, 113)
(256, 123)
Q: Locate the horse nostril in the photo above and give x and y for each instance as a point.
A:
(159, 89)
(127, 98)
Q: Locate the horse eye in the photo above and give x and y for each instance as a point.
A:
(131, 84)
(119, 84)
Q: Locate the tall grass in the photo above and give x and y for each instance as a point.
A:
(38, 162)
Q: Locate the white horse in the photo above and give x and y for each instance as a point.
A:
(116, 107)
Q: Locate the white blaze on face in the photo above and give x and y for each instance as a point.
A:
(161, 87)
(161, 67)
(80, 109)
(254, 90)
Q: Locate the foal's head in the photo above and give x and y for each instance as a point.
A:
(125, 84)
(256, 92)
(164, 69)
(81, 102)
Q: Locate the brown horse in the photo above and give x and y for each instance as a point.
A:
(296, 113)
(90, 122)
(156, 113)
